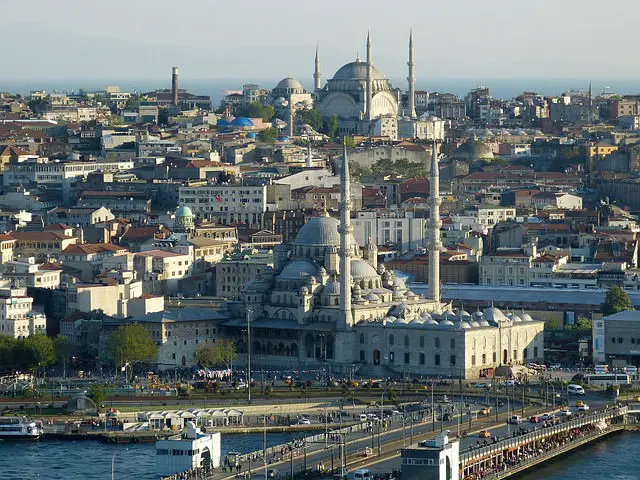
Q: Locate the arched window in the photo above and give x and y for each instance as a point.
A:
(406, 340)
(437, 342)
(391, 340)
(362, 339)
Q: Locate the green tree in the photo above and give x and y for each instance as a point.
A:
(358, 170)
(40, 351)
(616, 301)
(63, 348)
(221, 352)
(310, 117)
(268, 135)
(131, 344)
(330, 126)
(349, 142)
(98, 394)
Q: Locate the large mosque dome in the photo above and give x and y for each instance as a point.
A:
(288, 86)
(319, 231)
(357, 71)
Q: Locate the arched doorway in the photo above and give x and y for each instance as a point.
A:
(505, 357)
(205, 458)
(376, 357)
(449, 473)
(184, 361)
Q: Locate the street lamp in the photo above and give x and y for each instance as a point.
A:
(249, 312)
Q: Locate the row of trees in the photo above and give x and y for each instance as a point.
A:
(34, 353)
(328, 126)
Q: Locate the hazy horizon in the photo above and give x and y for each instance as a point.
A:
(467, 39)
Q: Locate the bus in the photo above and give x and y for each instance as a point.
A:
(606, 379)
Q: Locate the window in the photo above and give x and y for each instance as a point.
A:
(524, 354)
(422, 340)
(436, 359)
(473, 360)
(437, 340)
(362, 339)
(407, 358)
(406, 340)
(495, 357)
(453, 343)
(422, 359)
(362, 355)
(484, 358)
(452, 360)
(620, 340)
(535, 352)
(613, 339)
(633, 340)
(391, 339)
(392, 357)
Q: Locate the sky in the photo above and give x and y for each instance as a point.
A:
(120, 40)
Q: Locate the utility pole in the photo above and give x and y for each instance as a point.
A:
(249, 312)
(264, 447)
(433, 412)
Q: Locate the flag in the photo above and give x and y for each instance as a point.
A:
(219, 198)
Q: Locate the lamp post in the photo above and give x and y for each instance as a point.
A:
(264, 447)
(249, 312)
(433, 412)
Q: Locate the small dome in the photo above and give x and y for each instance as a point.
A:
(298, 269)
(332, 288)
(251, 135)
(361, 269)
(289, 83)
(526, 317)
(241, 122)
(494, 315)
(431, 321)
(372, 297)
(184, 211)
(484, 323)
(463, 324)
(304, 290)
(416, 321)
(473, 323)
(516, 319)
(446, 323)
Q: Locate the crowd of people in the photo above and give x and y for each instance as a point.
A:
(532, 450)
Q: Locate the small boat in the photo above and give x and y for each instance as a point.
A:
(19, 428)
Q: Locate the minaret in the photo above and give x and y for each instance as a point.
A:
(412, 78)
(590, 103)
(316, 73)
(435, 201)
(174, 86)
(309, 163)
(345, 242)
(369, 111)
(291, 119)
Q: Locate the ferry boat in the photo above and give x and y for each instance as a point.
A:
(19, 428)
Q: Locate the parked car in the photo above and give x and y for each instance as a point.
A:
(565, 412)
(484, 434)
(545, 417)
(534, 419)
(515, 420)
(583, 408)
(304, 421)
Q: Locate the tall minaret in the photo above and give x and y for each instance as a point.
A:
(309, 162)
(174, 86)
(369, 111)
(346, 231)
(435, 201)
(316, 73)
(412, 78)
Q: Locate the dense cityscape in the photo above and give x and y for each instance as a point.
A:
(338, 276)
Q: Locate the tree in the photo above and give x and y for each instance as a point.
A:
(40, 351)
(310, 117)
(221, 352)
(98, 394)
(616, 301)
(358, 170)
(330, 126)
(349, 142)
(131, 344)
(268, 135)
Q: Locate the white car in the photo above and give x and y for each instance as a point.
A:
(583, 408)
(511, 383)
(482, 385)
(304, 421)
(565, 412)
(546, 417)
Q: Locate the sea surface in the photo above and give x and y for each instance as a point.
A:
(613, 458)
(89, 459)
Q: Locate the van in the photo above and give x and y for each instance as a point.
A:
(362, 474)
(575, 389)
(515, 420)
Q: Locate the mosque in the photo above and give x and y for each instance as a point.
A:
(362, 99)
(327, 304)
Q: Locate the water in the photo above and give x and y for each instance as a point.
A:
(79, 460)
(613, 458)
(88, 460)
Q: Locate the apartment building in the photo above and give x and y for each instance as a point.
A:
(234, 272)
(17, 318)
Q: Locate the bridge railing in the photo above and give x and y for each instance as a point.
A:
(514, 442)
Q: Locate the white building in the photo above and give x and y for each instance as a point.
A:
(162, 270)
(17, 319)
(390, 228)
(226, 203)
(191, 449)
